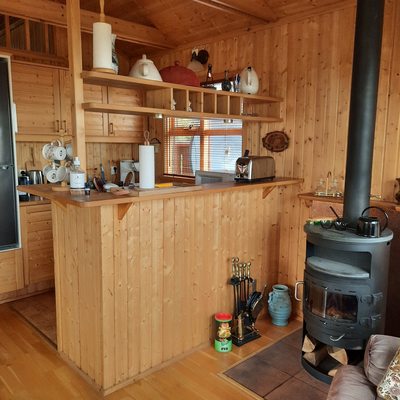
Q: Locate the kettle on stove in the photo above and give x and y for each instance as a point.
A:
(370, 226)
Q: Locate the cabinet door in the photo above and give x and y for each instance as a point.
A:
(36, 94)
(95, 123)
(125, 125)
(37, 243)
(11, 271)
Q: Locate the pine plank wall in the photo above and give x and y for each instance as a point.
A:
(308, 63)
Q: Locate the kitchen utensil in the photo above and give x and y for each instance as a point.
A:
(102, 174)
(146, 135)
(98, 184)
(145, 69)
(248, 81)
(370, 226)
(36, 176)
(179, 74)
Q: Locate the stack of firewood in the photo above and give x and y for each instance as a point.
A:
(315, 352)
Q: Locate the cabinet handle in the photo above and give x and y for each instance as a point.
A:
(65, 125)
(111, 129)
(57, 125)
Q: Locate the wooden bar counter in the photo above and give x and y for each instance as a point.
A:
(139, 278)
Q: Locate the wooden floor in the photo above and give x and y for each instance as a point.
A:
(30, 368)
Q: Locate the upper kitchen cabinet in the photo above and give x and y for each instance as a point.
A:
(41, 95)
(122, 125)
(105, 127)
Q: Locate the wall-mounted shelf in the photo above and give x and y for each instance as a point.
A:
(175, 100)
(309, 198)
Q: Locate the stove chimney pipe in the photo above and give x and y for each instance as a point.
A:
(364, 91)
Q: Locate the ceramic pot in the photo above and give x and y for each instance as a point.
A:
(279, 305)
(248, 81)
(145, 69)
(178, 74)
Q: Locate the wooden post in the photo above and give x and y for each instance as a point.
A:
(75, 70)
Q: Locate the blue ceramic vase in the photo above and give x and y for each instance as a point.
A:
(279, 305)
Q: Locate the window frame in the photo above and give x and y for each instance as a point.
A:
(170, 130)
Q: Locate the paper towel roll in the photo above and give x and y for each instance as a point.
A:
(102, 46)
(146, 162)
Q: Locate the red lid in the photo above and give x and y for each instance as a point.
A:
(223, 317)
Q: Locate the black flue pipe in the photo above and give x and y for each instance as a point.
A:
(363, 101)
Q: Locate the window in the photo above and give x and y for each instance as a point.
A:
(193, 144)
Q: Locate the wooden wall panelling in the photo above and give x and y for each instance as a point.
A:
(392, 131)
(157, 276)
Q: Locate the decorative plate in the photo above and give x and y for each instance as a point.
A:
(276, 141)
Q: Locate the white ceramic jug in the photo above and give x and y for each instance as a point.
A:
(248, 81)
(145, 69)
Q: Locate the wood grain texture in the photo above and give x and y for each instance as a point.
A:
(23, 350)
(146, 287)
(308, 62)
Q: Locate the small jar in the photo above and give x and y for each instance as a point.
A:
(223, 339)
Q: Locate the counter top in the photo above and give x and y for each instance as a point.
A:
(96, 199)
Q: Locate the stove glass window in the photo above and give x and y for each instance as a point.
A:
(329, 304)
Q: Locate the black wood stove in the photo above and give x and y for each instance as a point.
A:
(346, 275)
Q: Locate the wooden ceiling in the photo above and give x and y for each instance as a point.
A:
(190, 22)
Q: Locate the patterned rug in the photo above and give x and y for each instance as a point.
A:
(276, 373)
(40, 312)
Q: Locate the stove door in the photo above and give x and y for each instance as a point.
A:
(329, 303)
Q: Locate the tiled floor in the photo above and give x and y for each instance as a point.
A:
(39, 311)
(276, 373)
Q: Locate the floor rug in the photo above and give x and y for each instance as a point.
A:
(276, 373)
(40, 312)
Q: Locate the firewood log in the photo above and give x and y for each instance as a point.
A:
(338, 354)
(309, 344)
(316, 356)
(333, 371)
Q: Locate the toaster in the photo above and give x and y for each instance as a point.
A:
(253, 168)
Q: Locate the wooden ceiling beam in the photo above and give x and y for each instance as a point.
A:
(55, 13)
(258, 10)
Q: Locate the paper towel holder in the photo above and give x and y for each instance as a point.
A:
(156, 143)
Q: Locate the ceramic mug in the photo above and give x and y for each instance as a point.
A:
(54, 151)
(61, 173)
(50, 173)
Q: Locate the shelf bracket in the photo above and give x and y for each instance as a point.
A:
(308, 203)
(123, 209)
(267, 191)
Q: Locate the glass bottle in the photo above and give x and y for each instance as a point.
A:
(209, 77)
(226, 83)
(76, 175)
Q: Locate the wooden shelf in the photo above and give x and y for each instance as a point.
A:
(135, 110)
(163, 97)
(40, 138)
(310, 197)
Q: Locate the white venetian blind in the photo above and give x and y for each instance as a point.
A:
(193, 144)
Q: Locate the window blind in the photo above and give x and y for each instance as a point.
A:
(194, 144)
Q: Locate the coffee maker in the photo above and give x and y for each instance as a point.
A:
(127, 166)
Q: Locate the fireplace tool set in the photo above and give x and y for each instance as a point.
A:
(247, 303)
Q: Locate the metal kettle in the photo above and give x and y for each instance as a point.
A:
(35, 176)
(370, 226)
